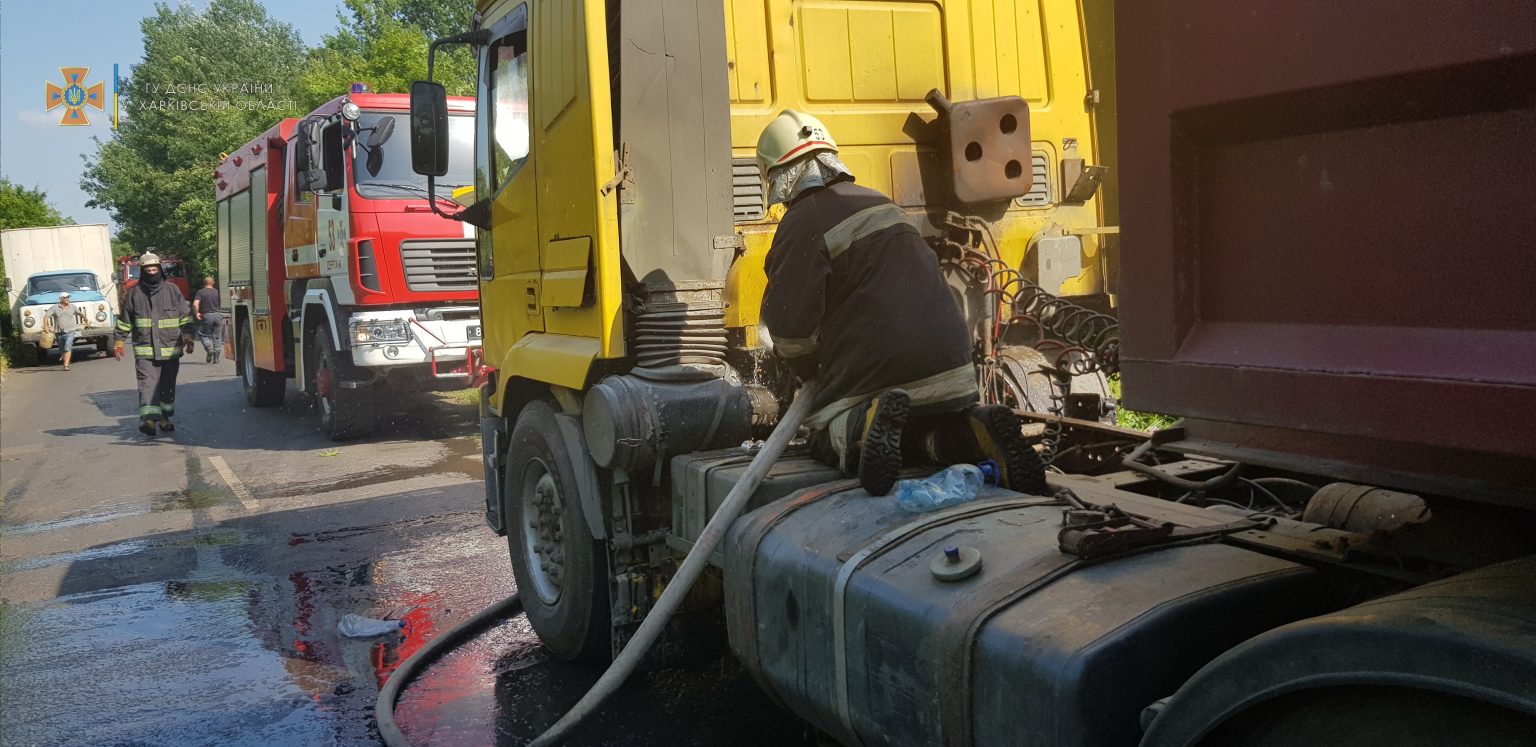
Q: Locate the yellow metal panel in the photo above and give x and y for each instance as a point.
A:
(746, 49)
(828, 61)
(869, 52)
(554, 359)
(874, 64)
(918, 41)
(575, 150)
(565, 271)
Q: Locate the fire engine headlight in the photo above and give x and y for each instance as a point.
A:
(390, 330)
(29, 321)
(350, 111)
(101, 316)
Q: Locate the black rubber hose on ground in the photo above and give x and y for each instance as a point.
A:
(650, 628)
(384, 707)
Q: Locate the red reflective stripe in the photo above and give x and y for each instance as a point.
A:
(801, 147)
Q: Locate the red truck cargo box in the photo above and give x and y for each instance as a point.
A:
(1329, 221)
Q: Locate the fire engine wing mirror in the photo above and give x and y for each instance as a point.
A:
(311, 165)
(374, 162)
(429, 128)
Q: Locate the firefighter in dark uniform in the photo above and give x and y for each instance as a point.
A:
(855, 299)
(155, 315)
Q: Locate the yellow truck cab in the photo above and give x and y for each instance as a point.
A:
(624, 225)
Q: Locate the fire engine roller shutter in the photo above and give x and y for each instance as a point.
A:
(240, 239)
(223, 234)
(257, 201)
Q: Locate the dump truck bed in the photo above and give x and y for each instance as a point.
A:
(1331, 267)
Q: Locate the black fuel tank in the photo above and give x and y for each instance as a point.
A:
(834, 605)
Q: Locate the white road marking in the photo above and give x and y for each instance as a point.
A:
(241, 492)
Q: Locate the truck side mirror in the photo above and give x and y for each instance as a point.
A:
(310, 160)
(429, 128)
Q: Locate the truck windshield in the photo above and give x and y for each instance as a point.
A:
(394, 159)
(55, 283)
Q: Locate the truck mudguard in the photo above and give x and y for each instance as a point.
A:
(1472, 636)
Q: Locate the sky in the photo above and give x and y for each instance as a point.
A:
(37, 37)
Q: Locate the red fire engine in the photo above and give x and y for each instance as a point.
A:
(342, 278)
(174, 270)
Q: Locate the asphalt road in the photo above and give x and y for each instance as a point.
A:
(187, 589)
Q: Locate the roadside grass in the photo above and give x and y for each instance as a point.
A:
(1142, 421)
(463, 396)
(16, 354)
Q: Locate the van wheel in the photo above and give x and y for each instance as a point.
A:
(561, 571)
(345, 412)
(262, 388)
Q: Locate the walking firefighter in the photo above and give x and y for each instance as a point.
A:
(156, 316)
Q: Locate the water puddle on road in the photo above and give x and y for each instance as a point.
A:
(72, 522)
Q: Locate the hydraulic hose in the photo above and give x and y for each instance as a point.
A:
(1132, 461)
(384, 707)
(650, 629)
(693, 565)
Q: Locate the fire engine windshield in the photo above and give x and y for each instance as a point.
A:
(395, 178)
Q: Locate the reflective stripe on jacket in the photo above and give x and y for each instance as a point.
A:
(155, 322)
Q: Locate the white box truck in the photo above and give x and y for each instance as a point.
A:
(41, 263)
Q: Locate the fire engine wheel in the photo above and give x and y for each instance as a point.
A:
(560, 569)
(345, 412)
(104, 345)
(262, 388)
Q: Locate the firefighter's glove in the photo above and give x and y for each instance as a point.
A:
(117, 350)
(186, 346)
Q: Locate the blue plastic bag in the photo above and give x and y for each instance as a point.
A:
(949, 487)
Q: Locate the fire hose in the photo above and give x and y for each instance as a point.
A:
(650, 629)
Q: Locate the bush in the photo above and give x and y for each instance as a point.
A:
(1142, 421)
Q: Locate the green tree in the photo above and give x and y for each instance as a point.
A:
(210, 80)
(384, 43)
(21, 207)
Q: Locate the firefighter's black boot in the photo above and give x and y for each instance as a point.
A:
(147, 427)
(999, 437)
(166, 425)
(880, 441)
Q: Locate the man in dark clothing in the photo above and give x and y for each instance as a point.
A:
(855, 299)
(154, 314)
(210, 320)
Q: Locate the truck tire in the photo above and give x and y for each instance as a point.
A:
(344, 412)
(262, 388)
(104, 345)
(561, 571)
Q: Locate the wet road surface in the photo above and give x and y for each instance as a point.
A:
(187, 589)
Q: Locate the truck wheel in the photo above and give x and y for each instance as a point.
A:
(344, 412)
(560, 570)
(262, 388)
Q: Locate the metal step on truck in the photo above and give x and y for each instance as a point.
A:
(1324, 275)
(341, 278)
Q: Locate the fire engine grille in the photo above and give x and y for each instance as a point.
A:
(1040, 190)
(747, 191)
(447, 265)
